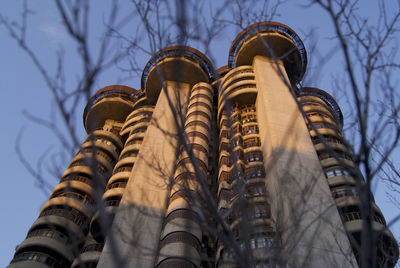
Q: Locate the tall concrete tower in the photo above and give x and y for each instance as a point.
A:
(57, 236)
(238, 166)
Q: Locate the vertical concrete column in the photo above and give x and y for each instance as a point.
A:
(301, 204)
(138, 220)
(180, 241)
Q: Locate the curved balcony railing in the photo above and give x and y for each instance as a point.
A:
(130, 97)
(176, 52)
(330, 101)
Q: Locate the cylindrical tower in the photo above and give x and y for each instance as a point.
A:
(242, 188)
(242, 195)
(150, 152)
(265, 164)
(181, 238)
(169, 81)
(55, 238)
(325, 122)
(134, 129)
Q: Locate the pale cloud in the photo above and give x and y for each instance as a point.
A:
(54, 32)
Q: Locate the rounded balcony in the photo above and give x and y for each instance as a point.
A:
(176, 63)
(219, 73)
(328, 99)
(109, 103)
(272, 40)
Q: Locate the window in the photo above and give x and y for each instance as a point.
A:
(336, 172)
(225, 161)
(261, 242)
(252, 129)
(224, 134)
(252, 142)
(225, 176)
(260, 211)
(237, 128)
(252, 243)
(249, 118)
(253, 156)
(256, 189)
(254, 172)
(322, 125)
(344, 191)
(327, 139)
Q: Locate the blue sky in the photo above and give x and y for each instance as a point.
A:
(23, 88)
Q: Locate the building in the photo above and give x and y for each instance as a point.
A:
(238, 166)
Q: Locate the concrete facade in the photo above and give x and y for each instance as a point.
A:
(238, 167)
(302, 206)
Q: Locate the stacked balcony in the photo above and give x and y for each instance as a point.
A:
(57, 236)
(324, 120)
(181, 241)
(132, 131)
(242, 194)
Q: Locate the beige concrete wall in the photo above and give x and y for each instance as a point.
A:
(302, 207)
(138, 221)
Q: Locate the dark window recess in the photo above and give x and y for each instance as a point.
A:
(253, 156)
(67, 212)
(224, 146)
(225, 176)
(344, 191)
(336, 172)
(225, 160)
(225, 134)
(50, 233)
(248, 118)
(123, 168)
(337, 153)
(112, 201)
(251, 129)
(93, 247)
(50, 261)
(256, 189)
(117, 184)
(134, 141)
(76, 177)
(139, 130)
(326, 138)
(251, 142)
(254, 172)
(75, 194)
(133, 153)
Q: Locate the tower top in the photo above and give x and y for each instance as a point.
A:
(175, 63)
(270, 39)
(111, 102)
